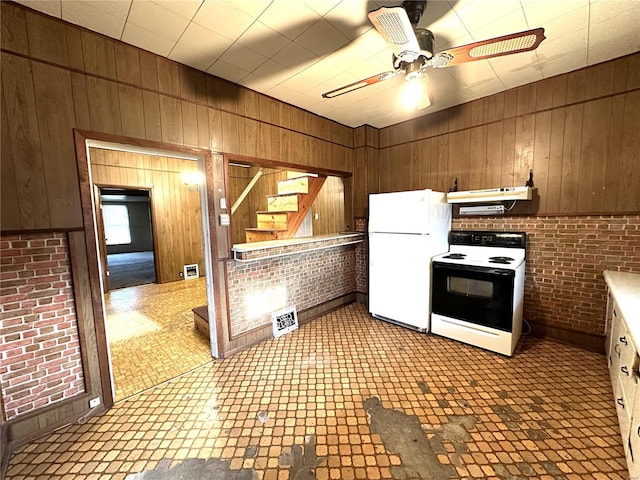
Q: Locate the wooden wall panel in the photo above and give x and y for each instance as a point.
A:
(629, 186)
(19, 100)
(571, 159)
(329, 207)
(573, 131)
(54, 97)
(175, 206)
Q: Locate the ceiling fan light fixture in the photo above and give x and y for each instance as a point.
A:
(415, 94)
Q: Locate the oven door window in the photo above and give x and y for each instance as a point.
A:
(479, 295)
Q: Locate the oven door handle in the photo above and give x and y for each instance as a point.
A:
(471, 268)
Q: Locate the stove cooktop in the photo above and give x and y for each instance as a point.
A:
(486, 249)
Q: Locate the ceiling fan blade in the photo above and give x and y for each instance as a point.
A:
(494, 47)
(394, 26)
(359, 84)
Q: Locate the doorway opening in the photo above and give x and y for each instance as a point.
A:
(128, 235)
(151, 222)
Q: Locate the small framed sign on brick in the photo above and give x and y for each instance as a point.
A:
(284, 321)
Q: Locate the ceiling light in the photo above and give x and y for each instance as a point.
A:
(415, 93)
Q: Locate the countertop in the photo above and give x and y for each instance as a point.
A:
(625, 288)
(248, 247)
(250, 252)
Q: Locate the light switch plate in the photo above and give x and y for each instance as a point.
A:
(224, 219)
(223, 203)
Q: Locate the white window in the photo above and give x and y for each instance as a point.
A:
(116, 224)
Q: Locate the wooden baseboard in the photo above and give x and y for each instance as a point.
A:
(589, 341)
(23, 429)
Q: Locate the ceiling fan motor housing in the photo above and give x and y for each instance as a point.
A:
(414, 9)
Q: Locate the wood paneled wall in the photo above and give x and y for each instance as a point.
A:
(256, 200)
(175, 207)
(577, 132)
(329, 208)
(56, 77)
(329, 204)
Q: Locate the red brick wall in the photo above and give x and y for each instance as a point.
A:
(362, 265)
(260, 287)
(566, 256)
(40, 359)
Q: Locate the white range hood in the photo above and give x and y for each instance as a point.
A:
(490, 195)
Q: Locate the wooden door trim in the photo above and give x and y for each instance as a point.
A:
(102, 239)
(84, 179)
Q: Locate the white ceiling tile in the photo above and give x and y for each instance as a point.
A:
(155, 18)
(184, 8)
(199, 47)
(147, 40)
(107, 18)
(50, 7)
(540, 12)
(321, 7)
(227, 71)
(350, 18)
(243, 57)
(613, 32)
(223, 19)
(513, 70)
(253, 8)
(289, 18)
(260, 38)
(512, 22)
(475, 14)
(281, 93)
(294, 55)
(321, 38)
(266, 76)
(563, 54)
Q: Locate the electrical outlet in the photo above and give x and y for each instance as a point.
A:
(94, 402)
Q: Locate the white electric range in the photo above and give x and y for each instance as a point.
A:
(478, 289)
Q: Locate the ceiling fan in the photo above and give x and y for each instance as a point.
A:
(413, 53)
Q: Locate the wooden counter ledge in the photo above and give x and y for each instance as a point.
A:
(248, 252)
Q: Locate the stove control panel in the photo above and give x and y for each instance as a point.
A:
(488, 239)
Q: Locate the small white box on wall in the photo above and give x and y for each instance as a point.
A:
(191, 271)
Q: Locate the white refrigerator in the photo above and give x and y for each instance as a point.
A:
(406, 229)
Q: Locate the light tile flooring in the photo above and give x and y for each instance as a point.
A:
(350, 397)
(151, 334)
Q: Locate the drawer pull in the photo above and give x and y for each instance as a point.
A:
(639, 430)
(623, 340)
(624, 370)
(620, 402)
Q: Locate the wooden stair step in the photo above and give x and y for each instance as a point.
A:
(263, 234)
(294, 185)
(283, 203)
(272, 220)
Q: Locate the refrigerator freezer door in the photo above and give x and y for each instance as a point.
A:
(399, 278)
(400, 212)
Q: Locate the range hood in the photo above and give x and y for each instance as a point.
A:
(490, 195)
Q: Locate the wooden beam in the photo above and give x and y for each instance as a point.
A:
(246, 191)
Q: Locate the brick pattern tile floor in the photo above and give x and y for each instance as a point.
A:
(310, 405)
(152, 337)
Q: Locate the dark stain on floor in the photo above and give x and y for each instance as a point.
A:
(303, 461)
(403, 435)
(195, 469)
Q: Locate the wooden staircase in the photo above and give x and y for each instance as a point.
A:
(286, 210)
